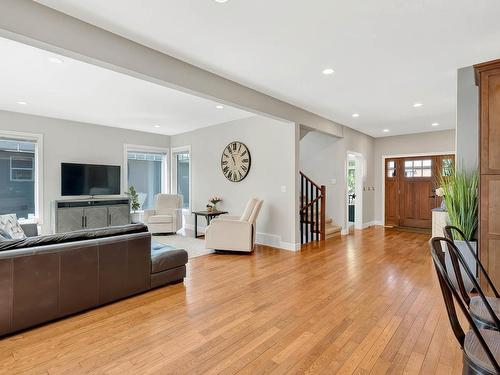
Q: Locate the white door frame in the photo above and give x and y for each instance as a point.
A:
(414, 154)
(360, 167)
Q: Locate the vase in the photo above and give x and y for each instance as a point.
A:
(443, 205)
(469, 260)
(214, 207)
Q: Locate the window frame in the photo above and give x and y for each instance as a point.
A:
(173, 171)
(37, 139)
(147, 149)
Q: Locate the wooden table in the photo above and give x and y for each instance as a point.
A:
(209, 215)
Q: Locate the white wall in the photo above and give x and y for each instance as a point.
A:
(272, 147)
(323, 158)
(412, 144)
(67, 141)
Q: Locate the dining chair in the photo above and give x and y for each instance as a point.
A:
(477, 307)
(481, 347)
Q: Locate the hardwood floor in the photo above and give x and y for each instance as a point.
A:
(362, 304)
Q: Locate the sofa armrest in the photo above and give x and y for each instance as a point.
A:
(148, 213)
(30, 230)
(233, 235)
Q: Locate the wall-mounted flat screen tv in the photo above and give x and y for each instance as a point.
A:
(89, 179)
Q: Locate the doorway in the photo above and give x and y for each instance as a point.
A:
(354, 191)
(410, 186)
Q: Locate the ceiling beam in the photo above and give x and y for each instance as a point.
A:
(37, 25)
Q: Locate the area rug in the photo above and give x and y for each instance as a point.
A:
(194, 246)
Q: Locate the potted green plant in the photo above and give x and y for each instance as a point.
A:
(134, 204)
(460, 194)
(214, 200)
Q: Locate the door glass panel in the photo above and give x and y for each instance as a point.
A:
(418, 168)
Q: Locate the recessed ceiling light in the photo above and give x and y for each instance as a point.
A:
(219, 106)
(55, 60)
(355, 115)
(22, 103)
(221, 1)
(386, 130)
(328, 71)
(435, 124)
(157, 126)
(416, 105)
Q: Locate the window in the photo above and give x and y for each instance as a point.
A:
(146, 172)
(418, 168)
(18, 185)
(181, 175)
(391, 169)
(447, 167)
(21, 168)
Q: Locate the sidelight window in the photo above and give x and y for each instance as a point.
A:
(446, 167)
(391, 169)
(418, 168)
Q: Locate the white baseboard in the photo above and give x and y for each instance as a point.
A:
(273, 240)
(371, 224)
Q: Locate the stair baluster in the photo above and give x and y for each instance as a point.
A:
(312, 210)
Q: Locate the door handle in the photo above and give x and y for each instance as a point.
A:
(83, 221)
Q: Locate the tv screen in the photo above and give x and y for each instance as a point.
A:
(89, 179)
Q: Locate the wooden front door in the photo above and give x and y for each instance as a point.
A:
(417, 192)
(410, 185)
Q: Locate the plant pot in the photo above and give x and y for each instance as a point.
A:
(469, 260)
(136, 217)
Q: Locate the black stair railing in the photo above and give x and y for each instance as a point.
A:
(312, 210)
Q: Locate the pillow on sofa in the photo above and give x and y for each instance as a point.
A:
(10, 225)
(4, 236)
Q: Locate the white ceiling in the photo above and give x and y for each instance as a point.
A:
(78, 91)
(388, 54)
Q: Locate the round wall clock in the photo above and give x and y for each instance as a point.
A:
(235, 161)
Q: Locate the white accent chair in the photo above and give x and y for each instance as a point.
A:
(166, 217)
(233, 233)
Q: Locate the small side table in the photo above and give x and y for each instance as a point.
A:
(209, 215)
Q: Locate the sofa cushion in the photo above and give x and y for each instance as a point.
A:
(165, 257)
(10, 225)
(160, 219)
(79, 235)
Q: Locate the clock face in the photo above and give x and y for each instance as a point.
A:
(235, 161)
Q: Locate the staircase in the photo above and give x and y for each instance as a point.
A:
(314, 224)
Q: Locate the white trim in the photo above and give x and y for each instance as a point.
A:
(274, 240)
(393, 156)
(371, 224)
(173, 171)
(143, 148)
(38, 140)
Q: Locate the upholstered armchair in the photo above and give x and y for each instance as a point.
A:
(234, 233)
(166, 217)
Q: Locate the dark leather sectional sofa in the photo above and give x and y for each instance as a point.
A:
(43, 278)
